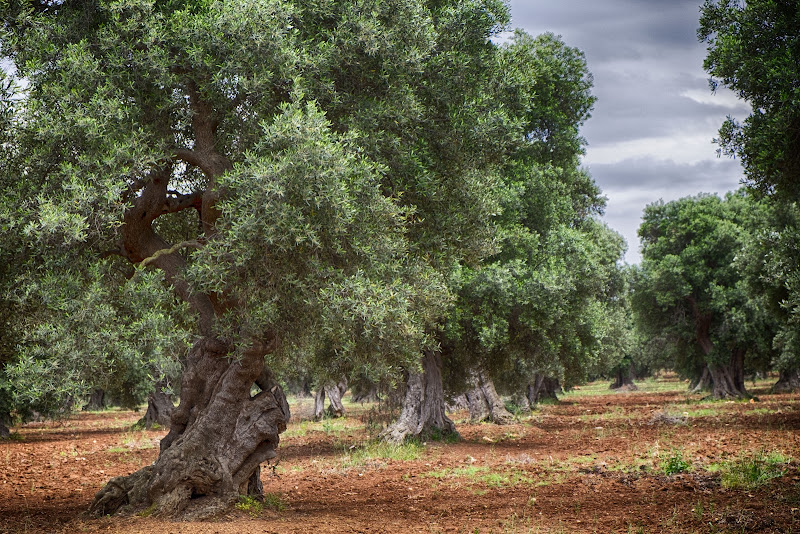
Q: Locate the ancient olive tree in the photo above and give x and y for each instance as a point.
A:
(335, 162)
(692, 291)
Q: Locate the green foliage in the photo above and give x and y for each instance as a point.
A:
(255, 507)
(542, 303)
(690, 296)
(675, 463)
(404, 452)
(754, 49)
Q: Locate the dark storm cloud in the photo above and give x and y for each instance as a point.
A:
(650, 135)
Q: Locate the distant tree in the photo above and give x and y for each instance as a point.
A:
(692, 293)
(771, 265)
(544, 302)
(754, 49)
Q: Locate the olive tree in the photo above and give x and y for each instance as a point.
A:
(692, 291)
(335, 160)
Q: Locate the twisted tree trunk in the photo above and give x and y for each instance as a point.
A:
(159, 410)
(423, 413)
(218, 438)
(485, 404)
(96, 400)
(702, 383)
(623, 379)
(335, 392)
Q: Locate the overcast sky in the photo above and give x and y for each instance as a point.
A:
(650, 135)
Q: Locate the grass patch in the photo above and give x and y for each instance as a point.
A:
(476, 474)
(751, 471)
(379, 450)
(674, 463)
(255, 507)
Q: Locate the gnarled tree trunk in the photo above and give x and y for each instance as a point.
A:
(159, 410)
(727, 381)
(543, 388)
(788, 382)
(97, 400)
(218, 438)
(485, 404)
(335, 392)
(423, 411)
(702, 383)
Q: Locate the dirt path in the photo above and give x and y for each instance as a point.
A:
(594, 463)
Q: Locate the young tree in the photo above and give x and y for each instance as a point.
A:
(337, 161)
(692, 292)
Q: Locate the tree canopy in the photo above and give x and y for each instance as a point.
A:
(308, 177)
(754, 49)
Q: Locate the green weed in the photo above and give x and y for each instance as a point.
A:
(360, 456)
(255, 507)
(675, 463)
(751, 471)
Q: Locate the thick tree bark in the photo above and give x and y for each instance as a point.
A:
(788, 382)
(624, 379)
(159, 410)
(485, 404)
(97, 400)
(727, 381)
(218, 438)
(319, 403)
(423, 413)
(543, 388)
(219, 435)
(702, 383)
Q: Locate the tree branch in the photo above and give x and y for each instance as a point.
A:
(180, 202)
(170, 250)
